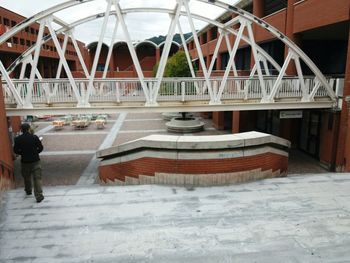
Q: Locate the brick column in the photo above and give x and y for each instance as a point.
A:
(258, 10)
(6, 147)
(291, 70)
(209, 35)
(219, 120)
(110, 72)
(15, 123)
(235, 121)
(343, 149)
(157, 54)
(218, 61)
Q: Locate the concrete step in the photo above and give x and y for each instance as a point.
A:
(293, 219)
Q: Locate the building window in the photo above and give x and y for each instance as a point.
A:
(26, 29)
(204, 38)
(100, 67)
(27, 43)
(242, 59)
(249, 8)
(214, 66)
(214, 33)
(226, 20)
(272, 6)
(224, 60)
(6, 22)
(15, 40)
(276, 50)
(32, 30)
(21, 41)
(13, 23)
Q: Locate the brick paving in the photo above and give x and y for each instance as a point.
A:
(73, 142)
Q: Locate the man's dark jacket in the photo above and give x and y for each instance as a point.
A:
(28, 146)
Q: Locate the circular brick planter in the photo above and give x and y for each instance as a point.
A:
(195, 160)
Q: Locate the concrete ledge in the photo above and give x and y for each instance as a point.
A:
(164, 142)
(195, 160)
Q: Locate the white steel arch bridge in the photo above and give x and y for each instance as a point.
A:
(259, 90)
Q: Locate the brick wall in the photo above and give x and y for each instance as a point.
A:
(152, 166)
(6, 162)
(317, 13)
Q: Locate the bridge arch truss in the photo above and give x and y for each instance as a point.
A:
(259, 88)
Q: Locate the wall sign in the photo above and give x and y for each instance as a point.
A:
(291, 114)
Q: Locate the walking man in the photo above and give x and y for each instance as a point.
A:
(29, 146)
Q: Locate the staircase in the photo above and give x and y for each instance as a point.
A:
(304, 218)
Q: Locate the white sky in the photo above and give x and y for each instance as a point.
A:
(140, 25)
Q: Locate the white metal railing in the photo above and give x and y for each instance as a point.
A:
(51, 91)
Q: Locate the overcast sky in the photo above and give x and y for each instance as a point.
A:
(140, 25)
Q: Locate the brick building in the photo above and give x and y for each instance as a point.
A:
(121, 64)
(321, 29)
(49, 59)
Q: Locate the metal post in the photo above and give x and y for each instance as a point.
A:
(230, 62)
(110, 50)
(81, 59)
(132, 51)
(301, 78)
(280, 76)
(216, 52)
(28, 103)
(183, 91)
(188, 57)
(228, 44)
(23, 68)
(20, 103)
(117, 86)
(64, 47)
(314, 90)
(166, 50)
(98, 51)
(65, 64)
(257, 61)
(199, 50)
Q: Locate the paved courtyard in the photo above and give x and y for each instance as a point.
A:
(296, 219)
(68, 157)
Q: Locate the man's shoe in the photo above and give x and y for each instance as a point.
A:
(39, 199)
(28, 193)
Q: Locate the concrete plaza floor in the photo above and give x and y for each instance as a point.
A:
(293, 219)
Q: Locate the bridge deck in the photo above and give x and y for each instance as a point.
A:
(176, 94)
